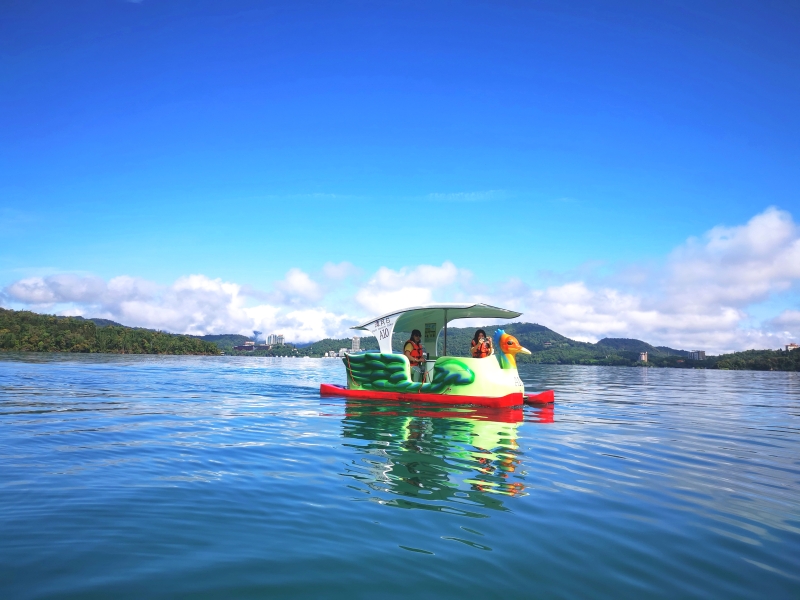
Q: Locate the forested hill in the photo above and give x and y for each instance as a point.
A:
(99, 322)
(631, 345)
(24, 331)
(226, 341)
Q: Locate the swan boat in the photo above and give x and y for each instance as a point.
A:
(492, 381)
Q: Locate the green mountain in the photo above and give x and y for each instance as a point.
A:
(756, 360)
(226, 341)
(24, 331)
(671, 351)
(98, 322)
(626, 345)
(631, 345)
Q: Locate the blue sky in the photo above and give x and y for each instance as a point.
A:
(244, 141)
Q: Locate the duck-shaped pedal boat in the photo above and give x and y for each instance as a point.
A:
(492, 381)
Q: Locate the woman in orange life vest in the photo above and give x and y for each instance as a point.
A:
(481, 345)
(413, 350)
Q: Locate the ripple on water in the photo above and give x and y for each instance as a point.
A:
(231, 476)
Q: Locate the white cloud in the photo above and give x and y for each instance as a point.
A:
(297, 288)
(787, 320)
(381, 302)
(30, 291)
(194, 304)
(389, 289)
(56, 288)
(341, 271)
(588, 314)
(313, 324)
(737, 266)
(699, 298)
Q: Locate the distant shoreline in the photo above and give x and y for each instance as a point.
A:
(25, 331)
(710, 367)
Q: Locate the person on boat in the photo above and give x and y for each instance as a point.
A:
(413, 350)
(481, 345)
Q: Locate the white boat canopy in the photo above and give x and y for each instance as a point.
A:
(430, 320)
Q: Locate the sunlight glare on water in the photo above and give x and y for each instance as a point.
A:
(141, 476)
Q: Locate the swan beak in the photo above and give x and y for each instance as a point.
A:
(524, 350)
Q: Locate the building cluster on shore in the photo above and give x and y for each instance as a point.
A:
(693, 355)
(272, 341)
(355, 346)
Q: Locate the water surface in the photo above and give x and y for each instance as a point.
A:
(138, 476)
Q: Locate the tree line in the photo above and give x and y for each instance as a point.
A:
(25, 331)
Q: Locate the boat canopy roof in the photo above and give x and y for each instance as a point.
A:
(430, 320)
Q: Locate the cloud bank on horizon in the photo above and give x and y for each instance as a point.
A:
(702, 296)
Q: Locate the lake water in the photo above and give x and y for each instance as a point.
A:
(135, 476)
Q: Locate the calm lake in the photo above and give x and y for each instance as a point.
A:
(221, 477)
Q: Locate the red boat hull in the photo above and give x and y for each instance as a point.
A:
(327, 389)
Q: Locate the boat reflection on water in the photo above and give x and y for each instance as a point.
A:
(541, 414)
(433, 457)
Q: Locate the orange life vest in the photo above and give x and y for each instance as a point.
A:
(416, 352)
(481, 350)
